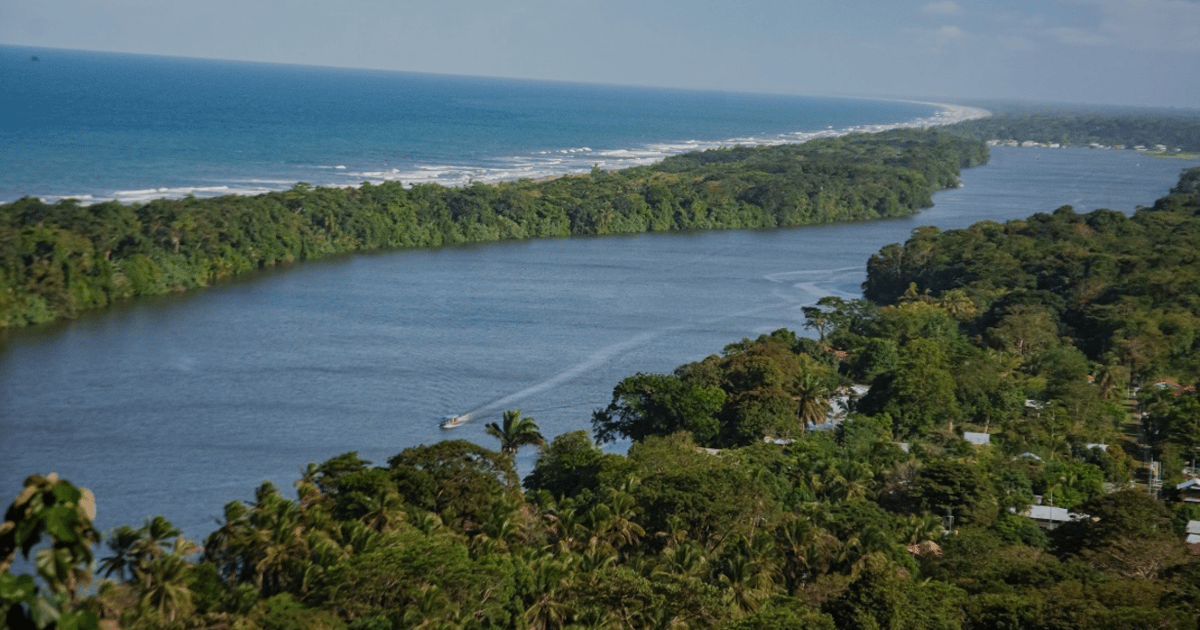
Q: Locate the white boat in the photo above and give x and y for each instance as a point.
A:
(450, 422)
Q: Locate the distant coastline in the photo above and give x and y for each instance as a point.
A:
(135, 128)
(947, 114)
(1159, 133)
(1159, 150)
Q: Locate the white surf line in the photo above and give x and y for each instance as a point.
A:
(536, 165)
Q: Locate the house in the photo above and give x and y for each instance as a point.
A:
(1176, 388)
(977, 439)
(1193, 532)
(1189, 491)
(1050, 518)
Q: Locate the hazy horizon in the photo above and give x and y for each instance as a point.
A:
(1089, 52)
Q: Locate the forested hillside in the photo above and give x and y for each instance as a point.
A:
(1127, 289)
(59, 259)
(731, 509)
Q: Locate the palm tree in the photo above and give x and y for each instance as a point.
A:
(546, 603)
(278, 546)
(806, 550)
(739, 574)
(167, 593)
(958, 304)
(159, 536)
(1111, 379)
(812, 399)
(135, 550)
(921, 527)
(516, 432)
(432, 610)
(124, 543)
(620, 526)
(384, 511)
(306, 486)
(686, 559)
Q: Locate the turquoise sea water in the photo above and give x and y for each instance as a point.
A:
(133, 127)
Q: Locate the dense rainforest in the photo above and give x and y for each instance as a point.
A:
(59, 259)
(738, 506)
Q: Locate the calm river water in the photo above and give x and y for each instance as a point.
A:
(175, 406)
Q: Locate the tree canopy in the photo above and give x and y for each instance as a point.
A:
(731, 509)
(60, 259)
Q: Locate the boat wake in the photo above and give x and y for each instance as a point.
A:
(606, 355)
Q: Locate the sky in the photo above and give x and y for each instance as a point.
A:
(1117, 52)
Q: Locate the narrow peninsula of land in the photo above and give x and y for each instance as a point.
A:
(64, 258)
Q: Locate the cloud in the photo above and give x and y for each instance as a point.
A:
(948, 7)
(946, 37)
(1075, 36)
(1016, 43)
(1167, 25)
(951, 33)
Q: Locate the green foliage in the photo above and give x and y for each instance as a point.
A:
(1124, 287)
(728, 511)
(884, 598)
(283, 612)
(784, 613)
(455, 478)
(1068, 484)
(572, 465)
(48, 507)
(1116, 519)
(685, 488)
(920, 394)
(517, 431)
(959, 488)
(659, 404)
(1176, 129)
(767, 388)
(431, 575)
(63, 258)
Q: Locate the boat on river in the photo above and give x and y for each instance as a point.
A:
(450, 422)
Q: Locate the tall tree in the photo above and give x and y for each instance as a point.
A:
(659, 404)
(812, 399)
(517, 431)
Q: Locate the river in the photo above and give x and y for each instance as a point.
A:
(177, 405)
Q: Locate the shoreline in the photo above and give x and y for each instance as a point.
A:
(547, 165)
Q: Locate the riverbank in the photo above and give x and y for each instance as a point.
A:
(365, 352)
(67, 258)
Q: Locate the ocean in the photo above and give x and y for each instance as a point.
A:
(98, 126)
